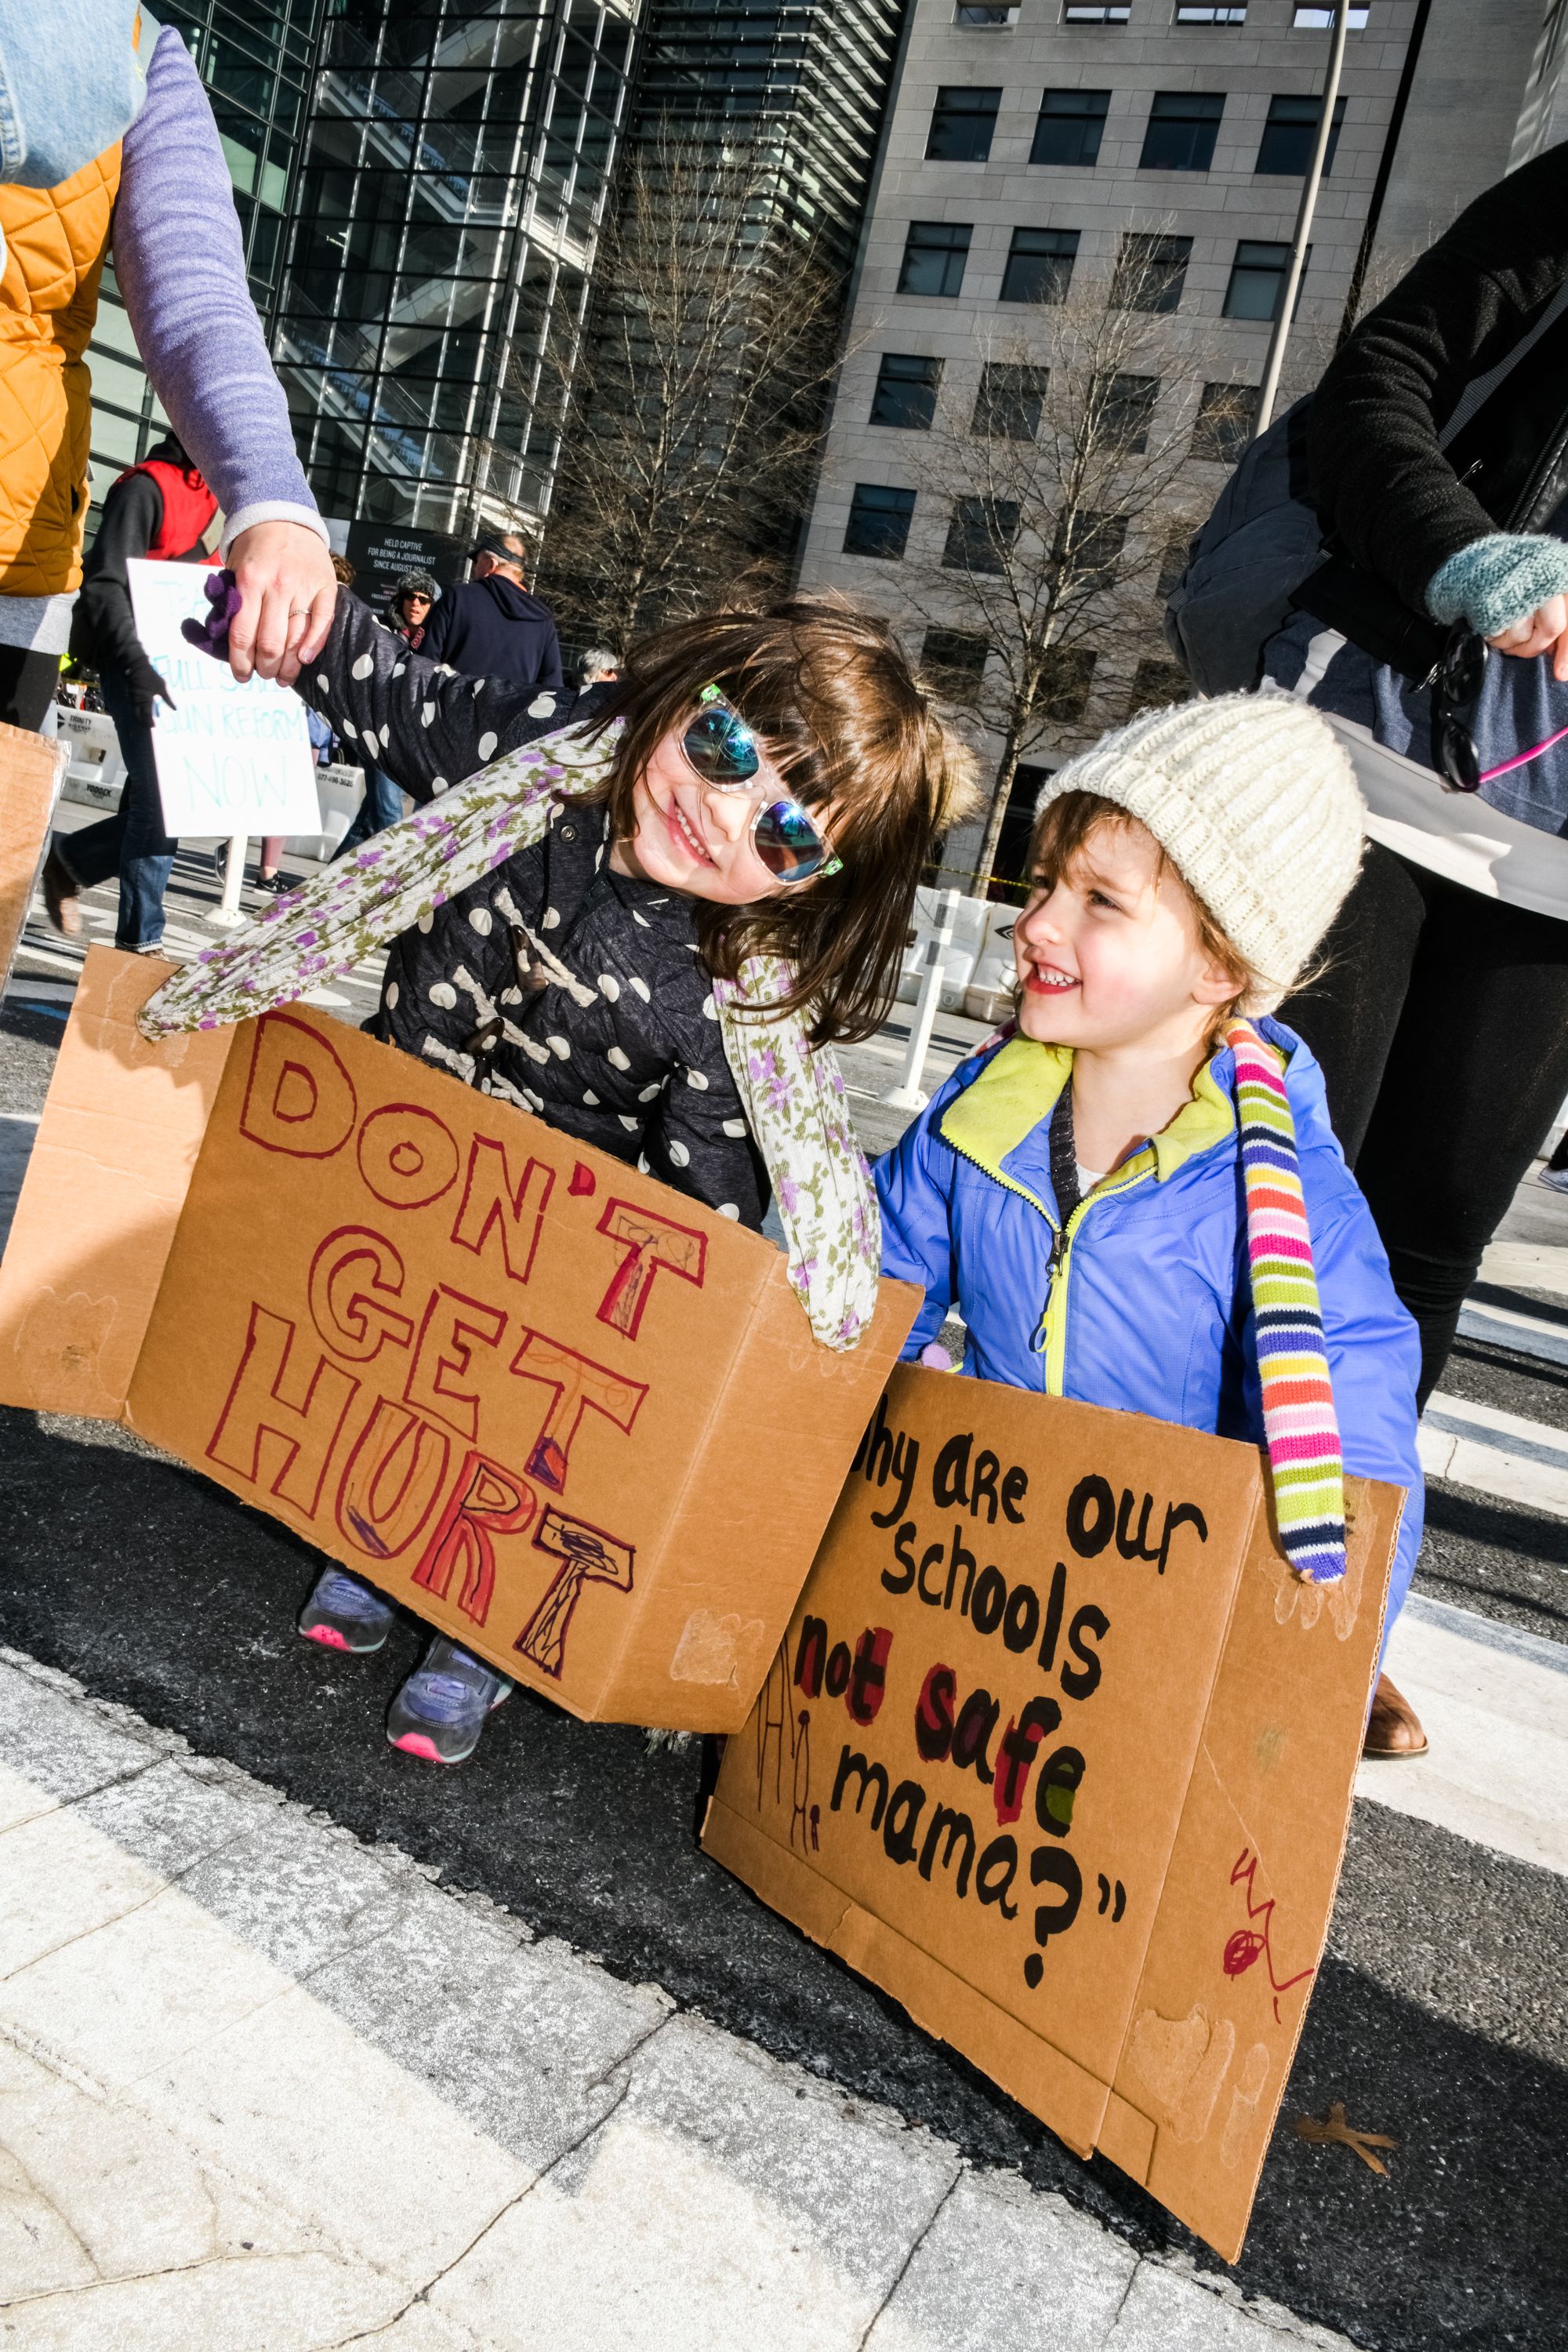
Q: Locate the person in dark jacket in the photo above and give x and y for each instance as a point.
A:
(492, 627)
(1437, 638)
(407, 615)
(159, 509)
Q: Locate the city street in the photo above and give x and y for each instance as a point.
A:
(303, 2044)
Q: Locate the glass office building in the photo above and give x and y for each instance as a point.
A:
(454, 176)
(258, 67)
(802, 83)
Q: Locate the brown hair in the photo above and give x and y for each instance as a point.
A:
(831, 693)
(1061, 833)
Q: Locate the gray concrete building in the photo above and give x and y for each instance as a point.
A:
(1027, 141)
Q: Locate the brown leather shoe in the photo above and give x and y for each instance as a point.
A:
(61, 891)
(1393, 1732)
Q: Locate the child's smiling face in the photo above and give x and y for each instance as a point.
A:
(1110, 954)
(694, 838)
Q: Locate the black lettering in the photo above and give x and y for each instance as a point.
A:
(955, 1826)
(933, 1553)
(1181, 1515)
(906, 1455)
(1056, 1601)
(998, 1868)
(1089, 1535)
(933, 1714)
(1134, 1547)
(902, 1543)
(874, 1454)
(950, 1478)
(971, 1733)
(984, 1488)
(1022, 1621)
(989, 1602)
(1061, 1775)
(1079, 1680)
(868, 1673)
(903, 1818)
(957, 1553)
(1052, 1865)
(1015, 1487)
(851, 1763)
(810, 1653)
(837, 1676)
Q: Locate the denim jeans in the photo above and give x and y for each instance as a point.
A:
(382, 806)
(131, 843)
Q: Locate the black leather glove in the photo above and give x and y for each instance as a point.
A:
(147, 690)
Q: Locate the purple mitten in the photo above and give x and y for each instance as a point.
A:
(211, 635)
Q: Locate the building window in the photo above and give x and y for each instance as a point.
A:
(1039, 264)
(1008, 405)
(1257, 280)
(954, 661)
(1126, 413)
(981, 534)
(1073, 13)
(1209, 17)
(1089, 549)
(1157, 682)
(961, 123)
(1150, 272)
(879, 522)
(1173, 562)
(1285, 147)
(1183, 127)
(906, 391)
(1321, 20)
(1224, 420)
(1071, 125)
(935, 255)
(966, 15)
(1064, 689)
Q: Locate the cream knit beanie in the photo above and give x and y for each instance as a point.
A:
(1253, 800)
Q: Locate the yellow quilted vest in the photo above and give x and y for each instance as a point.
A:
(56, 239)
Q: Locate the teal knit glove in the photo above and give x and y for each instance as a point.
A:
(1497, 582)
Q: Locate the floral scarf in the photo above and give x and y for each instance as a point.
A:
(793, 1094)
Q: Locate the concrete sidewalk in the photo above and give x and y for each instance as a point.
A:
(264, 2090)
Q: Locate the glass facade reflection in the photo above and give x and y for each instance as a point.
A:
(453, 181)
(258, 67)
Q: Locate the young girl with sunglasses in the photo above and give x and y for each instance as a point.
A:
(736, 828)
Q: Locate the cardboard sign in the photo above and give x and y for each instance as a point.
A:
(1059, 1752)
(31, 767)
(568, 1415)
(232, 760)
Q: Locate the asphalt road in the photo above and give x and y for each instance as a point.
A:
(1439, 2017)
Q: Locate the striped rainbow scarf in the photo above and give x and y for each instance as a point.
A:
(1299, 1427)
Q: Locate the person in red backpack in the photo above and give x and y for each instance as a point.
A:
(163, 509)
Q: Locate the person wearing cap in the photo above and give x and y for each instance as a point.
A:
(1134, 1197)
(491, 626)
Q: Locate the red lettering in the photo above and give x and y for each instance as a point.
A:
(407, 1156)
(299, 1098)
(648, 1242)
(491, 1202)
(391, 1480)
(580, 1386)
(451, 1323)
(486, 1502)
(353, 1275)
(276, 1431)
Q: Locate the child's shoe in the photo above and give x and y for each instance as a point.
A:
(344, 1613)
(440, 1710)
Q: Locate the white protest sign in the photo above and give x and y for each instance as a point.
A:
(232, 760)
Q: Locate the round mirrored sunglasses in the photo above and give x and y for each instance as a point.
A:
(722, 750)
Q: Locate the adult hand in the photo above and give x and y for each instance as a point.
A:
(147, 690)
(1543, 631)
(288, 588)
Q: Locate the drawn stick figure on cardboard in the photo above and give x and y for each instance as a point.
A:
(587, 1556)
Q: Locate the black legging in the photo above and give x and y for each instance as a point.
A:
(1441, 1022)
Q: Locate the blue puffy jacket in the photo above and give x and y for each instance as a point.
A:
(1149, 1308)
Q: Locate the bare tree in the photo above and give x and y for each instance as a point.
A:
(1065, 480)
(697, 397)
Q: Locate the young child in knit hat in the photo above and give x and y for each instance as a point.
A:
(1125, 1197)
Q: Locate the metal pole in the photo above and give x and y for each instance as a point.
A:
(1309, 205)
(908, 1095)
(226, 914)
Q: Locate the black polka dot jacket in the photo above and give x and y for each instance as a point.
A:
(574, 991)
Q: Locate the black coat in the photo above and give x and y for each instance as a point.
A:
(492, 628)
(1388, 496)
